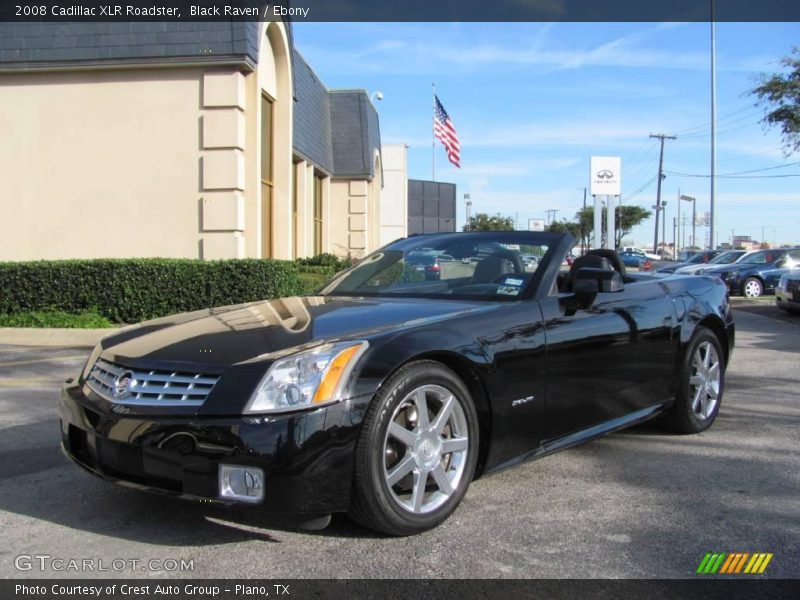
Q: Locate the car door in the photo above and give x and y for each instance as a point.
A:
(609, 361)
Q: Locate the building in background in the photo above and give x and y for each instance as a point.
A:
(187, 139)
(431, 207)
(394, 199)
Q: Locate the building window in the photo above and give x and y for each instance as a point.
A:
(318, 181)
(266, 175)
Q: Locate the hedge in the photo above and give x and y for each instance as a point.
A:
(131, 290)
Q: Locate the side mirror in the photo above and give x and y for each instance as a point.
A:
(781, 263)
(589, 280)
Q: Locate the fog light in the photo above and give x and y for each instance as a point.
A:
(243, 484)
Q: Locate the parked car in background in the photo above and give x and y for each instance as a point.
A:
(787, 294)
(726, 258)
(700, 258)
(632, 259)
(425, 262)
(757, 273)
(640, 252)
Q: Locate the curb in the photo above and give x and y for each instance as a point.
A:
(31, 336)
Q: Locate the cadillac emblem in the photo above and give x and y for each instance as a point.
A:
(122, 383)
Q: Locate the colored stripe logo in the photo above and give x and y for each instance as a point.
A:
(734, 563)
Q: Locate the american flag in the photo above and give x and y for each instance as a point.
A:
(444, 131)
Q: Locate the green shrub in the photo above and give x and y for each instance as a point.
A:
(327, 260)
(56, 318)
(131, 290)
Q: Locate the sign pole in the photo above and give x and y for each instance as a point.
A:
(611, 238)
(598, 222)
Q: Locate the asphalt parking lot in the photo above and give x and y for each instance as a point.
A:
(641, 503)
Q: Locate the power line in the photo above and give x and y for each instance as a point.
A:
(739, 173)
(719, 120)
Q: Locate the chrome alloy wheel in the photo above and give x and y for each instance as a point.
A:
(752, 288)
(704, 383)
(425, 449)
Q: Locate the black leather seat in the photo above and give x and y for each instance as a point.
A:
(496, 265)
(592, 260)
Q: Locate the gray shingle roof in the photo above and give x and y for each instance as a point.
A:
(26, 44)
(356, 133)
(312, 116)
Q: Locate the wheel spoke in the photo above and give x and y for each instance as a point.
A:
(418, 493)
(713, 371)
(402, 434)
(442, 480)
(454, 445)
(402, 469)
(422, 409)
(695, 380)
(696, 400)
(706, 355)
(444, 414)
(713, 391)
(704, 405)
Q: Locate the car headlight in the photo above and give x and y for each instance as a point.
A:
(309, 378)
(783, 283)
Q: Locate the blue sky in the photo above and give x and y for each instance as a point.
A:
(533, 101)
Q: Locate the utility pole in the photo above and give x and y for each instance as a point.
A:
(661, 137)
(675, 236)
(549, 218)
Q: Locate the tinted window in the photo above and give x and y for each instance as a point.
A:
(462, 265)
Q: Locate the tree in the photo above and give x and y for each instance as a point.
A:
(564, 226)
(484, 222)
(626, 218)
(779, 93)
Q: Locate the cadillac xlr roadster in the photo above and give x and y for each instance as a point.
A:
(386, 393)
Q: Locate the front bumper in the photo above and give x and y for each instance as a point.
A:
(789, 300)
(307, 457)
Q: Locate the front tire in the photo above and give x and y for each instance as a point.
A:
(417, 451)
(702, 382)
(752, 287)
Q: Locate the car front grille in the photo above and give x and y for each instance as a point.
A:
(792, 285)
(122, 385)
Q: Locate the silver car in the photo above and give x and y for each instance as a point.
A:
(787, 293)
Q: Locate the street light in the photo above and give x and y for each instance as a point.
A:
(468, 205)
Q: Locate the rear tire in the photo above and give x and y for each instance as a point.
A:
(417, 451)
(702, 382)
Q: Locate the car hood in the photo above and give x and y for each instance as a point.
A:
(229, 335)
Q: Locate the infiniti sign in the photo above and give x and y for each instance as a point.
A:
(606, 175)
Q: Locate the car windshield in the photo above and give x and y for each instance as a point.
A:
(701, 257)
(479, 265)
(760, 258)
(726, 258)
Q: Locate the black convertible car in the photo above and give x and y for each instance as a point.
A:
(387, 393)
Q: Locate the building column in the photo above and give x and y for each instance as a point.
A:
(223, 166)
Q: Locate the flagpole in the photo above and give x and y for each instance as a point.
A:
(433, 136)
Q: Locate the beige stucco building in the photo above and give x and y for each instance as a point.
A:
(211, 140)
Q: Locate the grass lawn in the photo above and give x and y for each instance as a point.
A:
(56, 319)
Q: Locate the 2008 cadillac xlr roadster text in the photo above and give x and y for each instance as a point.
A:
(387, 393)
